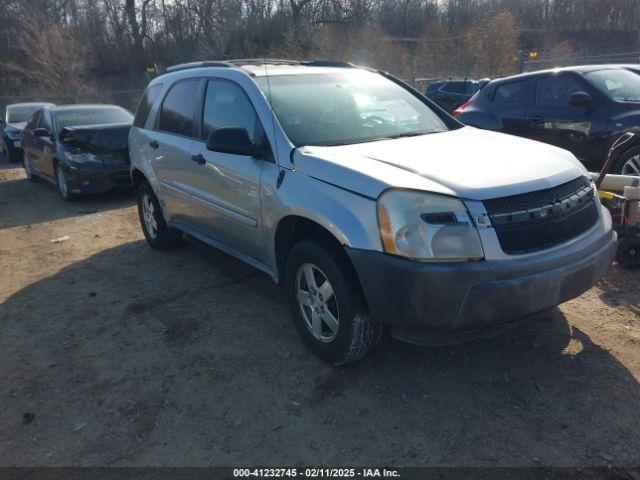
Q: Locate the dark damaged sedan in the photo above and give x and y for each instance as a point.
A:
(80, 148)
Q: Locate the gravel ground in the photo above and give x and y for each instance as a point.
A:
(114, 354)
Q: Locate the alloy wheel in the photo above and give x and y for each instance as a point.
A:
(317, 302)
(148, 216)
(632, 166)
(62, 182)
(27, 167)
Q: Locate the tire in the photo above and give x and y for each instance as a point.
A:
(159, 236)
(63, 186)
(628, 253)
(28, 170)
(628, 163)
(339, 342)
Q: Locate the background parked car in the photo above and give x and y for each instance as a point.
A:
(450, 94)
(80, 148)
(15, 118)
(582, 109)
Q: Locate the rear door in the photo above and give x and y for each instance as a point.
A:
(226, 187)
(553, 120)
(508, 102)
(169, 146)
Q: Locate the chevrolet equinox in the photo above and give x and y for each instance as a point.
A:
(370, 204)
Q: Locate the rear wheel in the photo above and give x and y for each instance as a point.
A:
(63, 185)
(154, 227)
(327, 304)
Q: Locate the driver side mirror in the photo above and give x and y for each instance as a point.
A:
(580, 99)
(233, 140)
(41, 132)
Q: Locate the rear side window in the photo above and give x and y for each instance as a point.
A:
(455, 87)
(146, 102)
(177, 112)
(226, 105)
(555, 91)
(511, 93)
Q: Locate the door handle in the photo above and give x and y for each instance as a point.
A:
(154, 144)
(199, 159)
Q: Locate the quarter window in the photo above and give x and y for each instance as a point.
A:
(176, 115)
(510, 93)
(555, 91)
(226, 105)
(146, 102)
(32, 124)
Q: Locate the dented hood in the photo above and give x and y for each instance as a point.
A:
(467, 162)
(101, 137)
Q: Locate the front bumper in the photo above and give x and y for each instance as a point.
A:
(447, 303)
(15, 153)
(96, 179)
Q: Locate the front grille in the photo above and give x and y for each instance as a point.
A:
(537, 220)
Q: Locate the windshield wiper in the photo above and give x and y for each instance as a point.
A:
(405, 134)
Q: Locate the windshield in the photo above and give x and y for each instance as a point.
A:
(346, 107)
(619, 85)
(91, 116)
(20, 114)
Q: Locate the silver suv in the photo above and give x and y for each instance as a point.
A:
(369, 203)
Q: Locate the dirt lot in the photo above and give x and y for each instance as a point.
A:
(120, 355)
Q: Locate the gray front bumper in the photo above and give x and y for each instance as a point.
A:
(440, 304)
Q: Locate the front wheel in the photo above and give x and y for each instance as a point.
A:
(28, 170)
(327, 304)
(63, 184)
(628, 163)
(154, 227)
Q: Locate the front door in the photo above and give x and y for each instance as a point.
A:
(554, 121)
(226, 188)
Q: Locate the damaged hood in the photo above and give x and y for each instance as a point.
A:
(467, 162)
(101, 137)
(17, 125)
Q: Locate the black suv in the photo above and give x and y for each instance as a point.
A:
(450, 94)
(581, 109)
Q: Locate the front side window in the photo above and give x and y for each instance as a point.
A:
(346, 107)
(33, 120)
(44, 122)
(618, 85)
(146, 102)
(555, 91)
(226, 105)
(178, 108)
(76, 117)
(511, 93)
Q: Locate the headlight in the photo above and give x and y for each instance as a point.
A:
(13, 134)
(83, 158)
(427, 226)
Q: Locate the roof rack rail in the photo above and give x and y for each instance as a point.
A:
(206, 63)
(327, 63)
(260, 61)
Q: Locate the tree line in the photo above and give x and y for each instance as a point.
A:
(82, 47)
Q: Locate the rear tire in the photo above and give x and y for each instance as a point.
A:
(336, 327)
(158, 235)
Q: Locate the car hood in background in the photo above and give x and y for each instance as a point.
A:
(17, 125)
(467, 162)
(101, 137)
